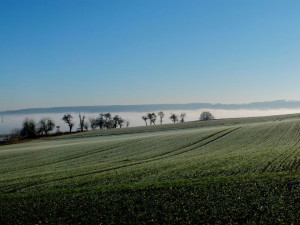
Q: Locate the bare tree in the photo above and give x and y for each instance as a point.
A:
(45, 125)
(116, 119)
(161, 115)
(182, 116)
(107, 116)
(174, 117)
(29, 128)
(68, 120)
(152, 118)
(81, 122)
(206, 116)
(145, 118)
(101, 121)
(120, 122)
(107, 120)
(93, 123)
(110, 124)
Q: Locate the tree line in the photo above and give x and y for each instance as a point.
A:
(103, 121)
(151, 117)
(31, 129)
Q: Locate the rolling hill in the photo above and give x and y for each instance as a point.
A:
(222, 171)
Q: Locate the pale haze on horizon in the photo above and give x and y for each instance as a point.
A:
(11, 122)
(80, 53)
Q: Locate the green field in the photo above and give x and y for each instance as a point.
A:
(222, 171)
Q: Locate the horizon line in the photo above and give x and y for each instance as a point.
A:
(152, 104)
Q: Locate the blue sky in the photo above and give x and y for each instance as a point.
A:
(64, 53)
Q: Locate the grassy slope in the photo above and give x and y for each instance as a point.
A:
(242, 170)
(187, 125)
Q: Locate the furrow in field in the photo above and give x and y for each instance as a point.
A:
(287, 160)
(83, 154)
(295, 165)
(194, 146)
(269, 133)
(190, 146)
(64, 168)
(207, 143)
(46, 156)
(134, 143)
(283, 147)
(257, 148)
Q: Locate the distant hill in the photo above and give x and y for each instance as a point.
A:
(278, 104)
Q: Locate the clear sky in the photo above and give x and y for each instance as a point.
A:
(63, 53)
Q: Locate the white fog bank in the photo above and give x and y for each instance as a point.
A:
(15, 121)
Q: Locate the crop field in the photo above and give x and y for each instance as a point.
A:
(223, 171)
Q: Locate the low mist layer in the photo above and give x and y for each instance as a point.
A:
(15, 121)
